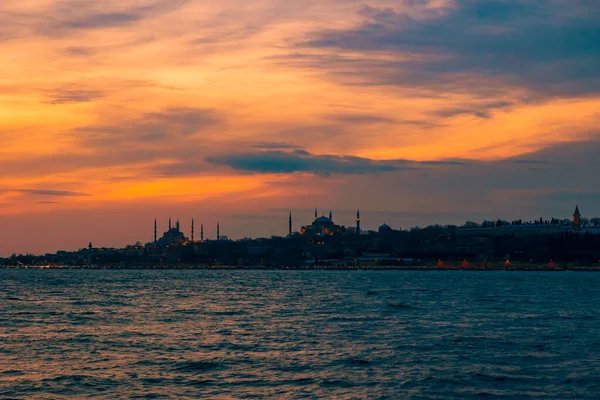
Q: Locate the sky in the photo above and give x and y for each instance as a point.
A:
(116, 112)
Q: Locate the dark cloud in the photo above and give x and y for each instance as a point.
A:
(280, 162)
(552, 47)
(360, 119)
(95, 21)
(289, 160)
(483, 110)
(64, 18)
(71, 95)
(67, 17)
(45, 192)
(273, 146)
(79, 51)
(525, 161)
(445, 162)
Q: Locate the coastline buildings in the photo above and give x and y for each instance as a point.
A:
(324, 226)
(324, 242)
(175, 237)
(533, 228)
(172, 237)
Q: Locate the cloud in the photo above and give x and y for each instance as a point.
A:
(273, 146)
(180, 168)
(483, 110)
(174, 133)
(79, 51)
(72, 95)
(281, 162)
(74, 15)
(45, 192)
(58, 19)
(169, 124)
(533, 162)
(360, 119)
(95, 21)
(551, 48)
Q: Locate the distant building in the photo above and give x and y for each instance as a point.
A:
(515, 230)
(385, 228)
(323, 226)
(531, 229)
(172, 237)
(578, 225)
(577, 218)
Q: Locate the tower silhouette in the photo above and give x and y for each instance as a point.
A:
(577, 217)
(316, 216)
(290, 225)
(330, 215)
(169, 223)
(218, 232)
(154, 230)
(358, 222)
(192, 230)
(202, 232)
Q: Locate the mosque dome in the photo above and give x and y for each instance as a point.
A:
(323, 220)
(385, 228)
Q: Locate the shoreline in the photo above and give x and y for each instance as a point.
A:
(312, 268)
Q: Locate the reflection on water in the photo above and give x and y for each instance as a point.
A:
(298, 334)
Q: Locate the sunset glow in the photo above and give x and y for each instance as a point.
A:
(114, 112)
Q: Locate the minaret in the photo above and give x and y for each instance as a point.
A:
(192, 230)
(577, 217)
(169, 223)
(202, 232)
(218, 232)
(330, 215)
(290, 225)
(154, 230)
(177, 226)
(358, 222)
(316, 214)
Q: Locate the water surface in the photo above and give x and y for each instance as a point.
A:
(299, 334)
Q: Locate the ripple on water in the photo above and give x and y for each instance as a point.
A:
(196, 366)
(299, 334)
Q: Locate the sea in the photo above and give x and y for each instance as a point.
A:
(228, 334)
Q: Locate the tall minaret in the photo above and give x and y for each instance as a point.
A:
(316, 214)
(577, 217)
(330, 215)
(192, 230)
(177, 226)
(202, 232)
(290, 225)
(154, 230)
(169, 223)
(358, 222)
(218, 232)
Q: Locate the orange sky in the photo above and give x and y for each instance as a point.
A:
(145, 107)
